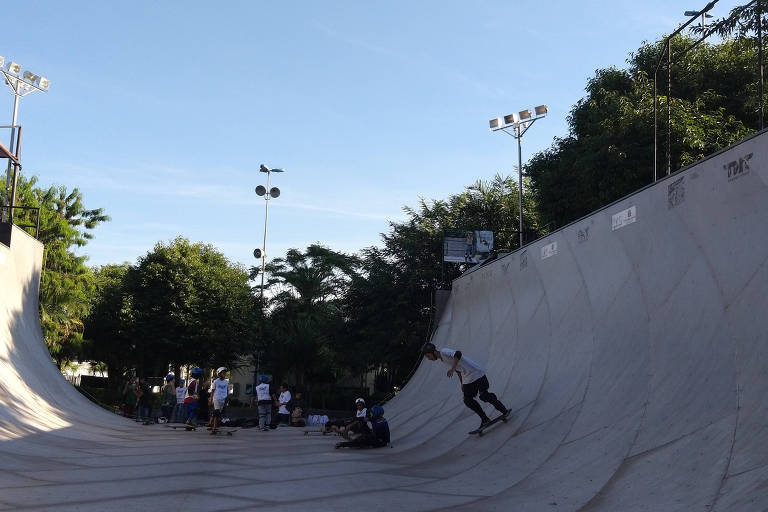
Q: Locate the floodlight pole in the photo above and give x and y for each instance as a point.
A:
(20, 87)
(267, 196)
(518, 130)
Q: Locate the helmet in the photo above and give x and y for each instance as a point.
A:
(377, 411)
(181, 383)
(169, 377)
(359, 401)
(221, 369)
(264, 379)
(428, 348)
(197, 372)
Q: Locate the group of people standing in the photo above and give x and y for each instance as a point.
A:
(196, 400)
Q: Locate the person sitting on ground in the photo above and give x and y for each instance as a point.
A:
(168, 397)
(354, 425)
(297, 414)
(377, 435)
(220, 388)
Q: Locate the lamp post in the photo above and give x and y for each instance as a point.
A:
(518, 124)
(704, 16)
(20, 84)
(268, 193)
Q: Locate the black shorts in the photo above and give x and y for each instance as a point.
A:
(471, 390)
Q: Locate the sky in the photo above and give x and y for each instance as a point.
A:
(162, 112)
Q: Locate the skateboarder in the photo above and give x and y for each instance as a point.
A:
(472, 378)
(190, 400)
(220, 390)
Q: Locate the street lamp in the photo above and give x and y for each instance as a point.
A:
(20, 84)
(268, 193)
(518, 124)
(704, 16)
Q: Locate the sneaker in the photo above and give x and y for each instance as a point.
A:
(484, 423)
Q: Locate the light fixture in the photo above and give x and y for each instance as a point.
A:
(14, 68)
(517, 125)
(31, 77)
(511, 119)
(2, 61)
(44, 83)
(496, 123)
(274, 192)
(261, 190)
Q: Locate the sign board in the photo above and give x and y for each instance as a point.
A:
(624, 218)
(458, 250)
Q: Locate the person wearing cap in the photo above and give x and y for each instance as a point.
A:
(471, 376)
(359, 424)
(219, 392)
(264, 403)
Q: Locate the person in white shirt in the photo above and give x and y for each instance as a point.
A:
(283, 414)
(219, 392)
(264, 403)
(178, 412)
(472, 378)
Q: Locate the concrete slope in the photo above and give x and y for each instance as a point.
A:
(632, 346)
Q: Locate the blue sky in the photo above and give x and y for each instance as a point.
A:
(161, 112)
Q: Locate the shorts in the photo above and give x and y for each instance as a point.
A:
(218, 404)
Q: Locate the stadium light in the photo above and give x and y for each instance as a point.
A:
(516, 125)
(27, 83)
(267, 193)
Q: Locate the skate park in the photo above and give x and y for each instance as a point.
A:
(631, 346)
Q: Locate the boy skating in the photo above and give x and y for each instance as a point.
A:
(472, 378)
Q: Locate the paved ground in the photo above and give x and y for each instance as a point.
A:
(632, 346)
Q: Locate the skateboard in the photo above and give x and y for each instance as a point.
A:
(223, 432)
(503, 418)
(186, 427)
(319, 433)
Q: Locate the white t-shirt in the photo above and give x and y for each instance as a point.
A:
(361, 413)
(470, 371)
(180, 394)
(262, 392)
(284, 398)
(220, 389)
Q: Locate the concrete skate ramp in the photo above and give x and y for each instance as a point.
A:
(632, 346)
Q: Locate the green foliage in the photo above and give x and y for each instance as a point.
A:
(190, 305)
(66, 281)
(609, 150)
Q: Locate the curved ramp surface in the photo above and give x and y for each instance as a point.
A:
(631, 345)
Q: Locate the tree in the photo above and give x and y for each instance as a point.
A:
(608, 152)
(109, 325)
(304, 311)
(190, 305)
(65, 283)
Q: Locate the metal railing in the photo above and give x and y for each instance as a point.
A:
(7, 212)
